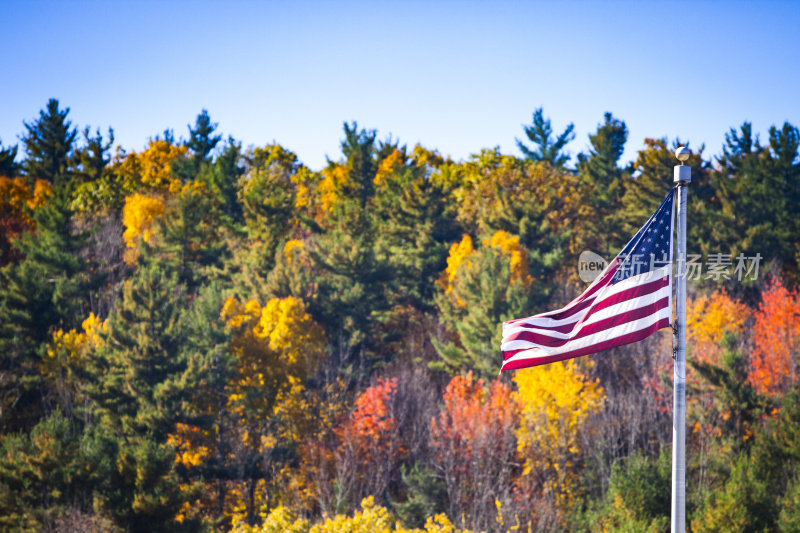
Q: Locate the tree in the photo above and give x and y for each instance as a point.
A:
(555, 403)
(776, 341)
(480, 290)
(415, 222)
(599, 171)
(201, 138)
(49, 288)
(474, 445)
(546, 148)
(49, 143)
(8, 167)
(370, 448)
(92, 159)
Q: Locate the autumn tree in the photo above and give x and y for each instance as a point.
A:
(479, 290)
(474, 445)
(776, 340)
(277, 348)
(370, 446)
(555, 402)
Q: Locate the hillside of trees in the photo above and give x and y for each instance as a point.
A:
(200, 336)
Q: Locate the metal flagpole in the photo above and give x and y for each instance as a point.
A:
(682, 178)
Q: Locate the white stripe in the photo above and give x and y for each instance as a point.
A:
(606, 335)
(616, 309)
(602, 294)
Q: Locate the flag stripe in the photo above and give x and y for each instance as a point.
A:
(636, 336)
(621, 331)
(647, 282)
(629, 301)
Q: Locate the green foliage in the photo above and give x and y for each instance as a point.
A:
(605, 182)
(424, 491)
(49, 143)
(546, 148)
(139, 374)
(47, 471)
(8, 166)
(50, 287)
(638, 497)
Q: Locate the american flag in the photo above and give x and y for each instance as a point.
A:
(630, 300)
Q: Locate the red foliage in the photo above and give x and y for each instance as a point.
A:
(776, 340)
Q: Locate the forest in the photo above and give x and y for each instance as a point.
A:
(201, 336)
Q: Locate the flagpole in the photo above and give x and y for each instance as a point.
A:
(682, 178)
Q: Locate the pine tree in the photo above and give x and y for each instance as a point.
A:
(605, 183)
(92, 159)
(415, 226)
(49, 288)
(222, 179)
(8, 167)
(190, 238)
(138, 375)
(545, 147)
(201, 138)
(49, 144)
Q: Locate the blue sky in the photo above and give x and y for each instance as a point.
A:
(455, 76)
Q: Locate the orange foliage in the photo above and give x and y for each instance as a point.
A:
(372, 421)
(776, 339)
(708, 318)
(474, 415)
(16, 199)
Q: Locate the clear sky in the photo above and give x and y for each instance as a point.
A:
(455, 76)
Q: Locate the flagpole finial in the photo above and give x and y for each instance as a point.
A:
(683, 172)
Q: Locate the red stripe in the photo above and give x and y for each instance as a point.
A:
(594, 348)
(595, 327)
(581, 301)
(627, 294)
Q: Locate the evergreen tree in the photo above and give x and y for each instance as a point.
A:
(138, 376)
(49, 288)
(222, 179)
(757, 190)
(190, 235)
(55, 468)
(50, 143)
(605, 181)
(8, 167)
(201, 137)
(360, 155)
(545, 147)
(93, 158)
(415, 226)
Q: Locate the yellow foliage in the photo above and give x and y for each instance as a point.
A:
(138, 215)
(290, 247)
(334, 179)
(555, 400)
(390, 165)
(73, 342)
(708, 317)
(152, 167)
(374, 518)
(189, 448)
(509, 244)
(424, 157)
(279, 520)
(459, 255)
